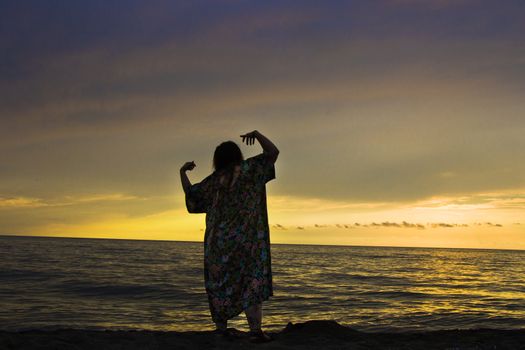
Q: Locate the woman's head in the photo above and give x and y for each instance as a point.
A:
(226, 154)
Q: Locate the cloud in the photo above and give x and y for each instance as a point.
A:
(104, 197)
(403, 224)
(409, 225)
(442, 224)
(21, 202)
(446, 225)
(389, 224)
(257, 21)
(512, 199)
(288, 203)
(428, 3)
(490, 224)
(25, 202)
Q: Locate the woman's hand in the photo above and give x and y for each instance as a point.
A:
(249, 138)
(268, 147)
(188, 166)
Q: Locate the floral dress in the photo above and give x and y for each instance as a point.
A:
(237, 264)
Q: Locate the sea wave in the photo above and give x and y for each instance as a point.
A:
(110, 284)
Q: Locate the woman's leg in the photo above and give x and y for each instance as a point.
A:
(221, 325)
(254, 317)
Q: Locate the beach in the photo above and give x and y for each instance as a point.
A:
(307, 335)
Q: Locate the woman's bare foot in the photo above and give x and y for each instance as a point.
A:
(259, 336)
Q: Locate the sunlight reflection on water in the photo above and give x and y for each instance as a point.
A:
(87, 283)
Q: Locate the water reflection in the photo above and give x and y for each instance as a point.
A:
(158, 285)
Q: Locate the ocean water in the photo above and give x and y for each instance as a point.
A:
(48, 283)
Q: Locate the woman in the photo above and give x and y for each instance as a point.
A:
(237, 264)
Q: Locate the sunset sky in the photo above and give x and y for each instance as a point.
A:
(400, 122)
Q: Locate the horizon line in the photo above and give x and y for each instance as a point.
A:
(301, 244)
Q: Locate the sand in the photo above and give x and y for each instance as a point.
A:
(307, 335)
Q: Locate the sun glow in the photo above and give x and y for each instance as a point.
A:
(481, 220)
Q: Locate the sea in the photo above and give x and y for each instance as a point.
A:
(51, 283)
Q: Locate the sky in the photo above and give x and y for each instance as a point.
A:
(400, 122)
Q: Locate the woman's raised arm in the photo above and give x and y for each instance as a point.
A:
(268, 147)
(186, 184)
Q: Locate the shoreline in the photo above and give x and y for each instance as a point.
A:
(307, 335)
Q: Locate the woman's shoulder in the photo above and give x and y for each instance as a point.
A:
(208, 180)
(260, 166)
(261, 157)
(248, 163)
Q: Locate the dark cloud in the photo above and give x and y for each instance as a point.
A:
(389, 224)
(403, 224)
(442, 224)
(446, 225)
(410, 225)
(489, 224)
(493, 225)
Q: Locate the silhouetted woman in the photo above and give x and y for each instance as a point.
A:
(237, 265)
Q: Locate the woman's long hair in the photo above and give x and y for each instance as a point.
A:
(227, 155)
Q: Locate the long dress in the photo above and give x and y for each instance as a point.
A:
(237, 262)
